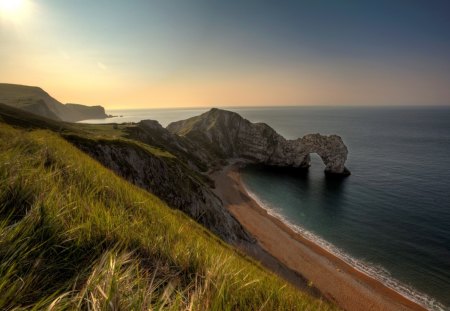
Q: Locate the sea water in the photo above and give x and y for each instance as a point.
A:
(391, 217)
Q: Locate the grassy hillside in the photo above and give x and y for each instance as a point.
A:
(25, 119)
(36, 100)
(74, 235)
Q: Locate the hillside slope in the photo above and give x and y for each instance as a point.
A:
(37, 101)
(151, 168)
(73, 235)
(170, 179)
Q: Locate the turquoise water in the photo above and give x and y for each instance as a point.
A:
(391, 217)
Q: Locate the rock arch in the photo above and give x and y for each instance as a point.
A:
(331, 149)
(226, 135)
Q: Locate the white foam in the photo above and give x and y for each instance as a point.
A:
(376, 272)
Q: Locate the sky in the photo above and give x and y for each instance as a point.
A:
(189, 53)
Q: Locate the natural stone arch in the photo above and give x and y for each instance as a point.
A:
(331, 149)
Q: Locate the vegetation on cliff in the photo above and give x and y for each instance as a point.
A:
(75, 235)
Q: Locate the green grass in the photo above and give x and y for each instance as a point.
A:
(105, 130)
(75, 236)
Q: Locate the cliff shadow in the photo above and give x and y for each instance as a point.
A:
(296, 176)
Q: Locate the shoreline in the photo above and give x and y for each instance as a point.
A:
(301, 258)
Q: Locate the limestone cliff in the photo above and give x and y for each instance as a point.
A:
(227, 135)
(35, 100)
(83, 112)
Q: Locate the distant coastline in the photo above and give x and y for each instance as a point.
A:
(337, 280)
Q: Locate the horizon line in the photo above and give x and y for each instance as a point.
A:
(285, 106)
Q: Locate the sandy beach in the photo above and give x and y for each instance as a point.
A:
(298, 259)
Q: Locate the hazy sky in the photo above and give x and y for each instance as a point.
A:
(168, 53)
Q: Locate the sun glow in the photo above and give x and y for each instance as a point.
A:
(13, 10)
(11, 6)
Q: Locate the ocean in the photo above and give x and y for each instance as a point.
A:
(391, 217)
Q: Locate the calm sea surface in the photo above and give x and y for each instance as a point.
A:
(391, 217)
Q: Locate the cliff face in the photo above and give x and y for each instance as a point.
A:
(37, 101)
(227, 135)
(167, 178)
(83, 112)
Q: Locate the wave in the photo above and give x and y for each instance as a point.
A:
(372, 270)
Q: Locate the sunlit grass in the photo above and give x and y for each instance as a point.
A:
(75, 236)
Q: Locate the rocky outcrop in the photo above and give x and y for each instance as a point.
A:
(152, 133)
(167, 178)
(36, 100)
(227, 135)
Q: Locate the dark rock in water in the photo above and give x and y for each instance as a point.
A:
(227, 135)
(342, 175)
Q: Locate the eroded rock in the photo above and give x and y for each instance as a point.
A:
(227, 135)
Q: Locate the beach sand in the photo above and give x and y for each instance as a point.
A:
(299, 260)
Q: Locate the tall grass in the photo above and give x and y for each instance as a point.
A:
(75, 236)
